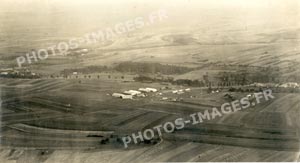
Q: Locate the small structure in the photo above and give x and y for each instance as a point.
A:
(152, 89)
(188, 89)
(165, 98)
(122, 96)
(251, 97)
(174, 91)
(178, 91)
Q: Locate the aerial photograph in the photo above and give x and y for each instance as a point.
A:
(134, 81)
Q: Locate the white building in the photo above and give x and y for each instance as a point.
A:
(178, 91)
(152, 89)
(122, 96)
(188, 89)
(132, 92)
(174, 91)
(147, 89)
(289, 85)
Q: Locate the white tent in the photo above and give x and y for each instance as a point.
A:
(132, 92)
(148, 89)
(122, 96)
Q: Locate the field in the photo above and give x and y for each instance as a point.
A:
(49, 116)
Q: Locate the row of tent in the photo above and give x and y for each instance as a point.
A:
(130, 93)
(181, 91)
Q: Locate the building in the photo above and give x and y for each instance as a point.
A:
(122, 96)
(289, 85)
(165, 98)
(188, 89)
(147, 89)
(152, 89)
(178, 91)
(132, 92)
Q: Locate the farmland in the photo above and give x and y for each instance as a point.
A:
(55, 115)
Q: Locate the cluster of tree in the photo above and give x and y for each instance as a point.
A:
(242, 67)
(193, 83)
(247, 77)
(132, 67)
(27, 76)
(187, 82)
(151, 68)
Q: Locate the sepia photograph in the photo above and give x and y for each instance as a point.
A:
(138, 81)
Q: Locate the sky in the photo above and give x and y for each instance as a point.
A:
(76, 17)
